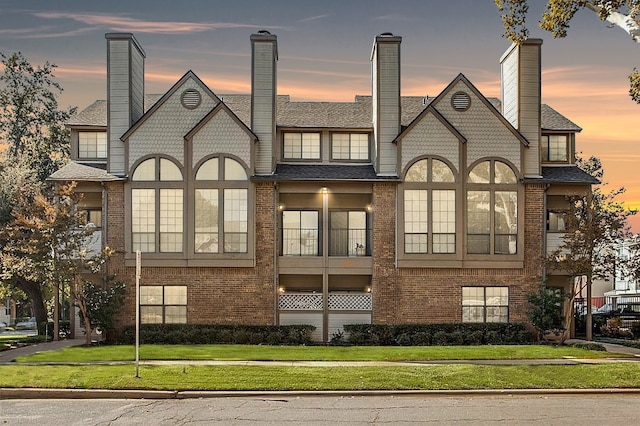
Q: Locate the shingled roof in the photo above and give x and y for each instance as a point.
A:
(567, 174)
(346, 115)
(324, 172)
(80, 172)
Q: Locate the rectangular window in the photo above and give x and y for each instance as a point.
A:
(171, 221)
(348, 233)
(350, 146)
(92, 216)
(300, 233)
(206, 221)
(485, 304)
(478, 222)
(556, 221)
(555, 148)
(301, 146)
(143, 220)
(92, 145)
(506, 222)
(163, 304)
(444, 221)
(235, 220)
(416, 225)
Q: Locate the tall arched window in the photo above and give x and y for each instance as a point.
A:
(492, 209)
(157, 200)
(221, 207)
(429, 208)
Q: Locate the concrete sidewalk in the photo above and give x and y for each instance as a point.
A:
(11, 354)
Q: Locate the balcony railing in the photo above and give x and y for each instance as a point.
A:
(342, 242)
(313, 302)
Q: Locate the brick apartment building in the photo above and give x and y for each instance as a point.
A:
(256, 209)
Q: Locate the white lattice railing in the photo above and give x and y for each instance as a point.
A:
(350, 302)
(300, 302)
(313, 302)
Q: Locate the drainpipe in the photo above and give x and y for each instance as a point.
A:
(276, 198)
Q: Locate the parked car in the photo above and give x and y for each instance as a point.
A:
(29, 324)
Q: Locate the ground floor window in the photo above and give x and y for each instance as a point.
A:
(163, 304)
(485, 304)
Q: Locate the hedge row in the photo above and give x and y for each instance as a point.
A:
(435, 334)
(197, 334)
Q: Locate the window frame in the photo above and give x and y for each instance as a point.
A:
(97, 157)
(302, 156)
(493, 188)
(318, 231)
(484, 306)
(163, 305)
(430, 185)
(546, 152)
(350, 147)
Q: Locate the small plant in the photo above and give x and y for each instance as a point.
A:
(545, 313)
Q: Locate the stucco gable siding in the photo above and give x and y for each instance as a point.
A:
(429, 136)
(222, 134)
(163, 131)
(487, 135)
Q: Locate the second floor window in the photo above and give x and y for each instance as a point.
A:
(301, 146)
(92, 145)
(300, 233)
(555, 148)
(350, 146)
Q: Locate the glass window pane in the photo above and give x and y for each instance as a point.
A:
(92, 145)
(146, 171)
(143, 219)
(416, 223)
(478, 212)
(311, 145)
(504, 173)
(544, 142)
(175, 314)
(441, 172)
(233, 170)
(340, 146)
(473, 296)
(208, 170)
(151, 314)
(206, 221)
(557, 147)
(359, 146)
(175, 295)
(169, 171)
(472, 314)
(171, 221)
(417, 172)
(480, 173)
(506, 208)
(292, 145)
(235, 220)
(151, 295)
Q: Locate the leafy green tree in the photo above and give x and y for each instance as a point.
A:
(624, 14)
(545, 311)
(595, 223)
(100, 304)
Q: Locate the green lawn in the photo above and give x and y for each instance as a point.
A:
(616, 375)
(310, 353)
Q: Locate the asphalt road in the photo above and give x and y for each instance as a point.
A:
(601, 409)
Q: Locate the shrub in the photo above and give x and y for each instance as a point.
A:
(194, 334)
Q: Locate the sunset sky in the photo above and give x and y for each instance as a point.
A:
(324, 50)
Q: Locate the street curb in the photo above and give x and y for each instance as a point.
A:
(37, 393)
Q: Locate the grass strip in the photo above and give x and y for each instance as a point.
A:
(449, 376)
(310, 353)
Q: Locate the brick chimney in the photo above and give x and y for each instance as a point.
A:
(385, 73)
(264, 56)
(521, 96)
(125, 94)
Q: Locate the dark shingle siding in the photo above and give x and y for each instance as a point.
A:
(566, 174)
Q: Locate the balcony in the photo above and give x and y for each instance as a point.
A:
(336, 302)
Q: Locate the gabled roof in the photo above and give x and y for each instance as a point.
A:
(430, 109)
(346, 115)
(189, 75)
(324, 172)
(220, 107)
(80, 172)
(485, 101)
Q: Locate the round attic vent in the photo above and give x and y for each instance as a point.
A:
(460, 101)
(190, 99)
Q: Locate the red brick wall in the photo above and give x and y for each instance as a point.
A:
(214, 295)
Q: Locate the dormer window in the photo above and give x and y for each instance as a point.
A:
(301, 146)
(350, 146)
(92, 144)
(555, 148)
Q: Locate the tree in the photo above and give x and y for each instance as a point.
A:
(595, 223)
(31, 124)
(545, 311)
(35, 144)
(48, 245)
(624, 14)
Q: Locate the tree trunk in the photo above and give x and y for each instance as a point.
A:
(34, 292)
